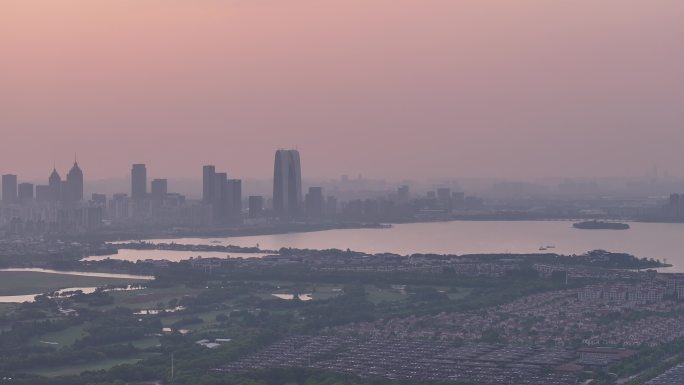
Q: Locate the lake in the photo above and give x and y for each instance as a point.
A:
(79, 273)
(663, 241)
(169, 255)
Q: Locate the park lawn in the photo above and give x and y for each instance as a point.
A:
(148, 298)
(63, 338)
(146, 343)
(6, 308)
(461, 293)
(326, 292)
(379, 295)
(70, 370)
(209, 319)
(31, 282)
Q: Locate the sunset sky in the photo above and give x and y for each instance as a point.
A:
(386, 88)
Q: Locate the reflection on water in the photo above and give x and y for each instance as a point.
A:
(651, 240)
(18, 298)
(81, 273)
(74, 290)
(62, 293)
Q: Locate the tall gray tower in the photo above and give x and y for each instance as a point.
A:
(287, 184)
(9, 188)
(74, 182)
(208, 183)
(138, 182)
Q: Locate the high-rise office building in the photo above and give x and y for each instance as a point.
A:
(159, 189)
(120, 206)
(55, 186)
(331, 206)
(9, 188)
(403, 194)
(138, 182)
(74, 184)
(256, 206)
(234, 199)
(444, 194)
(287, 184)
(43, 193)
(208, 180)
(25, 192)
(314, 202)
(99, 200)
(458, 199)
(220, 195)
(676, 204)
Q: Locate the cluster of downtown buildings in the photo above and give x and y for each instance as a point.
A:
(55, 206)
(59, 205)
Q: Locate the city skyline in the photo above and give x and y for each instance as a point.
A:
(376, 192)
(222, 82)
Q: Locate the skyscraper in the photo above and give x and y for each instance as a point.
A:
(159, 189)
(25, 192)
(220, 195)
(55, 186)
(9, 188)
(287, 184)
(314, 202)
(43, 193)
(208, 180)
(74, 183)
(234, 199)
(256, 206)
(138, 182)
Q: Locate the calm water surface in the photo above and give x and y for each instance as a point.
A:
(169, 255)
(652, 240)
(81, 273)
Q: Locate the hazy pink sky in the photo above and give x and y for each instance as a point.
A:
(387, 88)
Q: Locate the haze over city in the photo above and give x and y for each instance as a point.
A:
(341, 192)
(385, 88)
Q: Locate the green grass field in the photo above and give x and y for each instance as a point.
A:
(78, 369)
(150, 297)
(6, 308)
(380, 295)
(61, 338)
(29, 282)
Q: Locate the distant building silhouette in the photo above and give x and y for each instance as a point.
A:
(287, 184)
(314, 202)
(55, 186)
(9, 188)
(331, 206)
(234, 199)
(25, 192)
(256, 206)
(138, 182)
(159, 189)
(74, 185)
(220, 195)
(208, 180)
(403, 194)
(223, 195)
(43, 193)
(99, 200)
